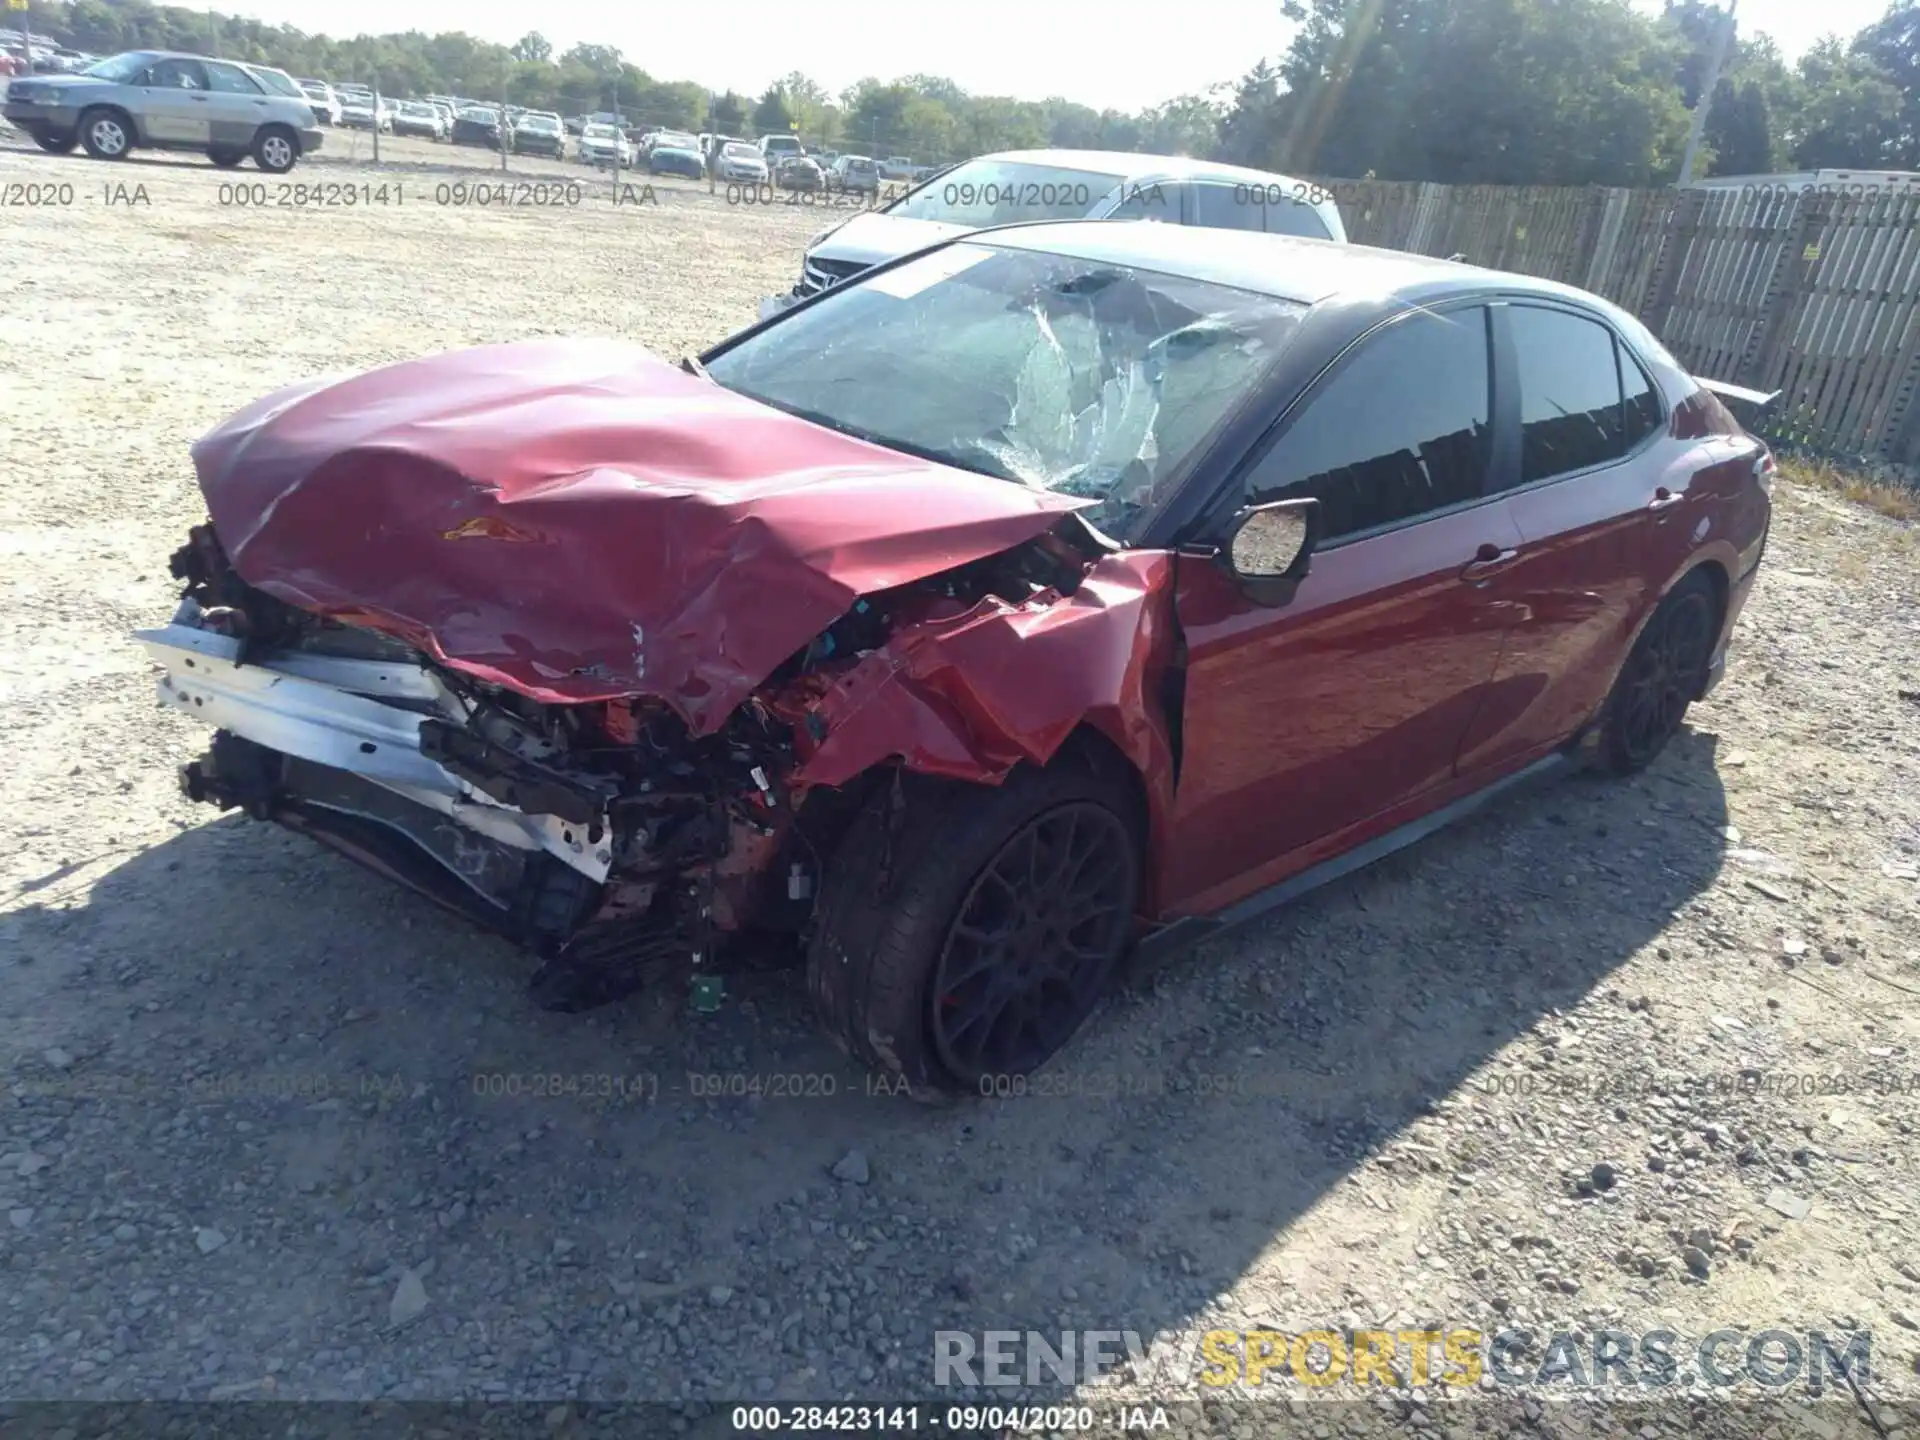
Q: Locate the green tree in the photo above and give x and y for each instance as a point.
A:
(728, 114)
(1489, 91)
(1739, 129)
(533, 46)
(1892, 45)
(810, 108)
(601, 59)
(1186, 125)
(771, 115)
(1850, 114)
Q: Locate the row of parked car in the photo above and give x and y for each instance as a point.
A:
(232, 109)
(21, 54)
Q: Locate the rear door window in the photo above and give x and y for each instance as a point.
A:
(1573, 413)
(1643, 412)
(1288, 216)
(231, 80)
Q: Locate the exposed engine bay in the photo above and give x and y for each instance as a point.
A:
(605, 835)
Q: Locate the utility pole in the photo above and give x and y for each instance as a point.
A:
(1705, 102)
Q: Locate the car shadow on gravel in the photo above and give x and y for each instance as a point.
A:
(725, 1173)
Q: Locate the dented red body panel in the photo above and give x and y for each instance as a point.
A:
(577, 520)
(970, 696)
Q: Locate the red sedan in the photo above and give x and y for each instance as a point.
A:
(1053, 592)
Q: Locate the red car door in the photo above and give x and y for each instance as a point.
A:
(1603, 504)
(1302, 722)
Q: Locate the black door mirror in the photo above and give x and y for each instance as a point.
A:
(1269, 548)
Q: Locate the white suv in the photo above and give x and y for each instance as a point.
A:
(775, 148)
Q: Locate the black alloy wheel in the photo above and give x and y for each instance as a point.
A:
(1034, 943)
(1663, 675)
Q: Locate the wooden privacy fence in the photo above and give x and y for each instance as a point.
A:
(1809, 292)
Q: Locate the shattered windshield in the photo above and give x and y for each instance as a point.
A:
(1065, 374)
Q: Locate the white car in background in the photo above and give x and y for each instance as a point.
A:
(358, 112)
(1018, 185)
(326, 104)
(775, 148)
(740, 162)
(604, 145)
(417, 117)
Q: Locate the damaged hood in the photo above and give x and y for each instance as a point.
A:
(578, 520)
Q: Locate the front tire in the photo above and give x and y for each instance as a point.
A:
(969, 932)
(276, 149)
(55, 144)
(226, 159)
(106, 134)
(1664, 673)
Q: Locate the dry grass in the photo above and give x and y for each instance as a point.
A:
(1902, 502)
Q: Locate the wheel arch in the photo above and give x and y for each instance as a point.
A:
(136, 137)
(1092, 748)
(1704, 564)
(1080, 680)
(1712, 561)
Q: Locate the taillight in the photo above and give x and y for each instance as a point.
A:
(1764, 470)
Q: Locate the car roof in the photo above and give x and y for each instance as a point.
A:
(1284, 266)
(1134, 166)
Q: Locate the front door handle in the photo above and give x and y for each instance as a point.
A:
(1487, 562)
(1662, 498)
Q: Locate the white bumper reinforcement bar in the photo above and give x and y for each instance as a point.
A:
(324, 709)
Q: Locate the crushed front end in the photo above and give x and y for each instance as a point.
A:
(602, 835)
(608, 835)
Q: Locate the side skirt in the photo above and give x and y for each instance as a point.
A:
(1174, 939)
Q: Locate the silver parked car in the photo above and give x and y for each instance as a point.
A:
(855, 173)
(1018, 185)
(738, 161)
(603, 145)
(163, 100)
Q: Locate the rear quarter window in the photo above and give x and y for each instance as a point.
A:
(1296, 217)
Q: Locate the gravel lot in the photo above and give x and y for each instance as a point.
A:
(1545, 1068)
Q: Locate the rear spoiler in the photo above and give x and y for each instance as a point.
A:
(1748, 406)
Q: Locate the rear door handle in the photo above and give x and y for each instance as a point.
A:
(1662, 498)
(1488, 561)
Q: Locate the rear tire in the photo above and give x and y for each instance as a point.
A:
(1664, 673)
(106, 134)
(966, 932)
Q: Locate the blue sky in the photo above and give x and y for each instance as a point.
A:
(1101, 54)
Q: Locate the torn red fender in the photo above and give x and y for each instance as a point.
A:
(971, 696)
